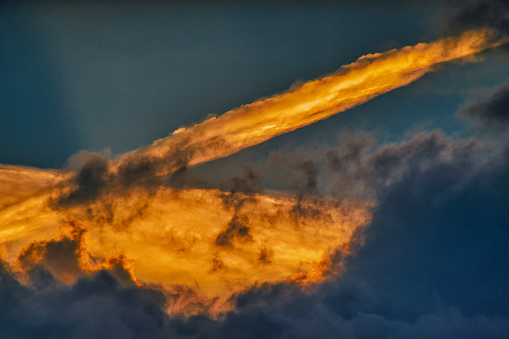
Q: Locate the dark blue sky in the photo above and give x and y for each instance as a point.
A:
(79, 76)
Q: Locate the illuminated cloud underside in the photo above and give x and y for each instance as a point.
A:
(171, 236)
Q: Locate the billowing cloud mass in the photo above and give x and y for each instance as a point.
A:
(430, 264)
(406, 239)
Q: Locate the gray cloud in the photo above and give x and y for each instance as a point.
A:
(94, 178)
(95, 305)
(491, 113)
(364, 175)
(470, 14)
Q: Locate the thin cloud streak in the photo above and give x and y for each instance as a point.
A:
(354, 84)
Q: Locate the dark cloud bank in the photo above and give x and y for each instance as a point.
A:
(433, 263)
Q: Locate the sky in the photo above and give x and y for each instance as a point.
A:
(254, 169)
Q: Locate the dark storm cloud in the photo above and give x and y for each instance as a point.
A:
(491, 113)
(49, 263)
(350, 153)
(437, 233)
(298, 172)
(99, 306)
(96, 306)
(61, 257)
(317, 322)
(470, 14)
(304, 178)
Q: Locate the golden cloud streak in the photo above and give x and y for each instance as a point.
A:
(371, 75)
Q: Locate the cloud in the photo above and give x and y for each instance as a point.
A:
(65, 297)
(430, 264)
(165, 161)
(491, 113)
(237, 229)
(95, 306)
(474, 14)
(241, 190)
(94, 178)
(250, 182)
(89, 181)
(299, 174)
(364, 175)
(438, 234)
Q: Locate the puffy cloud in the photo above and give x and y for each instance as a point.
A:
(64, 297)
(95, 306)
(365, 175)
(438, 234)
